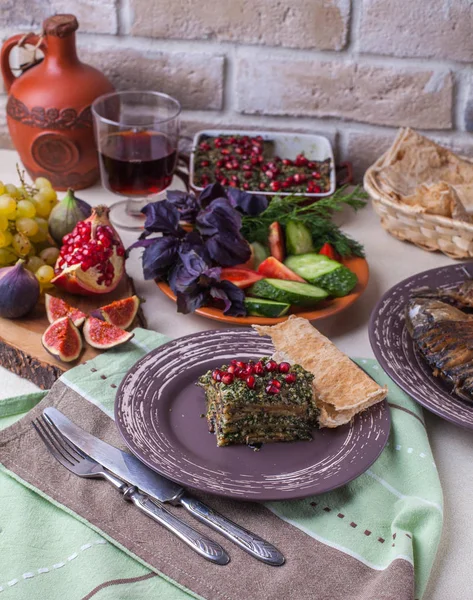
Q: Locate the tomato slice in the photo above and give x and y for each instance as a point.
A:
(328, 251)
(276, 241)
(274, 269)
(240, 276)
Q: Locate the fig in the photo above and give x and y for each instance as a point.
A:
(120, 313)
(66, 214)
(92, 258)
(62, 339)
(19, 291)
(57, 308)
(102, 335)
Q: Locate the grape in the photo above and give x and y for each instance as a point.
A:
(49, 255)
(3, 223)
(2, 188)
(47, 194)
(34, 263)
(27, 226)
(12, 190)
(42, 183)
(25, 208)
(21, 244)
(44, 274)
(7, 256)
(8, 238)
(43, 205)
(7, 206)
(42, 234)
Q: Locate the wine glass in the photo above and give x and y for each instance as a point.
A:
(137, 136)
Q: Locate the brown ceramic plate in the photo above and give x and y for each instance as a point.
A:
(393, 346)
(324, 309)
(159, 411)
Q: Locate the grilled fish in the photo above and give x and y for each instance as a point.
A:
(444, 336)
(461, 296)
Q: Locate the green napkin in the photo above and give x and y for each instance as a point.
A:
(390, 515)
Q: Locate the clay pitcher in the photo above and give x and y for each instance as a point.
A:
(48, 108)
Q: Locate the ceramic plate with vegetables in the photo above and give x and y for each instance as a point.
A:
(237, 257)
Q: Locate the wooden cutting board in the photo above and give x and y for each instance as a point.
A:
(21, 350)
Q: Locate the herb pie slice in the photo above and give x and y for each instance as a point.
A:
(341, 389)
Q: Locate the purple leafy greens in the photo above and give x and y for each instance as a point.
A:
(187, 204)
(162, 217)
(248, 204)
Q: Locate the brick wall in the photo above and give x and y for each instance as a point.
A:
(351, 70)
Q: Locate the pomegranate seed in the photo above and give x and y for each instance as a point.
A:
(204, 146)
(290, 378)
(228, 165)
(287, 162)
(269, 174)
(241, 364)
(224, 181)
(234, 178)
(225, 151)
(316, 189)
(239, 150)
(234, 184)
(235, 164)
(275, 186)
(204, 163)
(250, 369)
(272, 389)
(217, 375)
(271, 365)
(247, 174)
(254, 160)
(284, 367)
(231, 369)
(220, 162)
(311, 165)
(232, 140)
(275, 382)
(233, 361)
(316, 175)
(246, 186)
(246, 167)
(227, 379)
(262, 186)
(250, 381)
(259, 368)
(285, 185)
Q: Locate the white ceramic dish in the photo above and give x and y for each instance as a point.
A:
(286, 145)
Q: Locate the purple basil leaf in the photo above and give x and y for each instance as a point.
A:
(191, 300)
(190, 266)
(218, 217)
(159, 256)
(233, 297)
(162, 217)
(248, 204)
(140, 243)
(211, 192)
(187, 204)
(228, 249)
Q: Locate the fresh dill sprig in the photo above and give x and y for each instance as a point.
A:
(317, 217)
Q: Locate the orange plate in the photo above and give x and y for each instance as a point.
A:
(327, 308)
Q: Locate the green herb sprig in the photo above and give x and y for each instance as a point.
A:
(317, 217)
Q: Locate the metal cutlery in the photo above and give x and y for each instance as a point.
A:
(76, 461)
(157, 487)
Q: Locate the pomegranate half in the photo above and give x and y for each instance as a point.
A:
(92, 257)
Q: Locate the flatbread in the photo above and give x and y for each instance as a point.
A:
(341, 388)
(422, 174)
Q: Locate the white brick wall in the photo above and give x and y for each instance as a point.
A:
(352, 70)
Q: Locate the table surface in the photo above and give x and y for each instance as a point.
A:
(390, 261)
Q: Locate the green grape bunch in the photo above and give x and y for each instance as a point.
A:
(24, 212)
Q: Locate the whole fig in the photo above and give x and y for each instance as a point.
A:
(19, 291)
(65, 215)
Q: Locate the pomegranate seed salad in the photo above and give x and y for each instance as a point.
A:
(258, 402)
(245, 254)
(249, 163)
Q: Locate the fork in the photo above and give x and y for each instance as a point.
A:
(79, 463)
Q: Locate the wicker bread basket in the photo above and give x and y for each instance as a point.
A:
(430, 232)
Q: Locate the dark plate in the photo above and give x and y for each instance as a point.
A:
(395, 350)
(158, 412)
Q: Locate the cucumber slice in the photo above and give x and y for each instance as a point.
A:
(258, 307)
(298, 238)
(322, 271)
(260, 253)
(292, 292)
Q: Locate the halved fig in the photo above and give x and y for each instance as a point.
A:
(62, 339)
(102, 335)
(120, 313)
(57, 308)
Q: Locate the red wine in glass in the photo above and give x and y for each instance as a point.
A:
(137, 164)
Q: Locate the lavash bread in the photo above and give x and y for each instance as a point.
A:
(341, 388)
(422, 174)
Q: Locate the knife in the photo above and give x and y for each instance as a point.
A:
(160, 488)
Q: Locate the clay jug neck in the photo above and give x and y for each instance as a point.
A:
(61, 52)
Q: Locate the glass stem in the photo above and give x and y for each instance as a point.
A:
(133, 207)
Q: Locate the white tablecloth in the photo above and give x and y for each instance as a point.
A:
(390, 261)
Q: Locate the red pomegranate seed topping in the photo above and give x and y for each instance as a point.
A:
(204, 163)
(284, 367)
(275, 186)
(232, 369)
(316, 189)
(287, 162)
(217, 375)
(271, 365)
(271, 389)
(233, 361)
(250, 381)
(275, 382)
(262, 186)
(227, 379)
(250, 369)
(259, 368)
(246, 186)
(290, 378)
(316, 175)
(241, 364)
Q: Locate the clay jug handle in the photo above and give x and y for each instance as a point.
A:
(31, 38)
